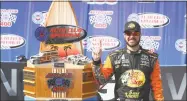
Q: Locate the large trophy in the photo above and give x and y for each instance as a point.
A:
(57, 71)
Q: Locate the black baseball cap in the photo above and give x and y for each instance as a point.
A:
(132, 26)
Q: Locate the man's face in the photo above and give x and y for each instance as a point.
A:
(132, 38)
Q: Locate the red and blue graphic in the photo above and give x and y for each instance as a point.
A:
(41, 34)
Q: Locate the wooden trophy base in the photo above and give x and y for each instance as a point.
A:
(82, 87)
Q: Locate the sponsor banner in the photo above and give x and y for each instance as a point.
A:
(154, 22)
(8, 17)
(108, 43)
(150, 42)
(39, 17)
(11, 41)
(180, 45)
(150, 20)
(100, 19)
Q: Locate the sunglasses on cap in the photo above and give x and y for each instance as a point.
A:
(132, 33)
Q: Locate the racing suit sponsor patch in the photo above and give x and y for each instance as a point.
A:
(133, 78)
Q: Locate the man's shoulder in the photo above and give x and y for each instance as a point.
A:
(150, 53)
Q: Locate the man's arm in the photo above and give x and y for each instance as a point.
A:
(156, 82)
(101, 72)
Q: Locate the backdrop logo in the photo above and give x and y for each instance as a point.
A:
(108, 42)
(8, 16)
(59, 34)
(180, 45)
(150, 42)
(39, 17)
(101, 2)
(100, 19)
(149, 20)
(10, 41)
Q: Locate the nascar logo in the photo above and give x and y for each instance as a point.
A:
(180, 45)
(39, 17)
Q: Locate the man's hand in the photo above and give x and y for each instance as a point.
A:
(97, 52)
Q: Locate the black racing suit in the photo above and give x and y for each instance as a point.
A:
(136, 73)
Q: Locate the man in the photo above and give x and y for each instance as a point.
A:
(136, 70)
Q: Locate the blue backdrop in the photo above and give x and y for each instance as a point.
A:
(164, 21)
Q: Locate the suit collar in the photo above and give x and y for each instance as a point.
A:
(132, 52)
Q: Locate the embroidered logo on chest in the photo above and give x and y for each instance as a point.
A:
(144, 60)
(125, 61)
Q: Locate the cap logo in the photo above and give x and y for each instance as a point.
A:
(131, 25)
